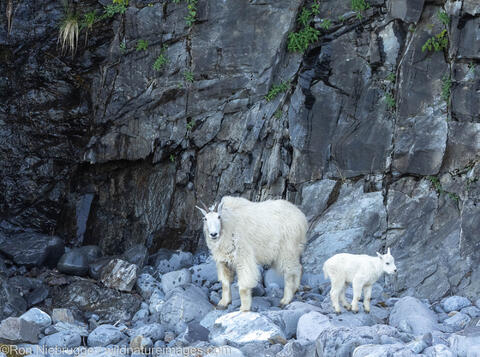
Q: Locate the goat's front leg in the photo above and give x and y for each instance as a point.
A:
(357, 294)
(225, 276)
(247, 279)
(367, 295)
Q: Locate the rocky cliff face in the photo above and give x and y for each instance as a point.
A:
(376, 136)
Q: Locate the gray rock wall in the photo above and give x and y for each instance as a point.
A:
(101, 148)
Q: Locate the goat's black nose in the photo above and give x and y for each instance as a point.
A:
(213, 234)
(395, 271)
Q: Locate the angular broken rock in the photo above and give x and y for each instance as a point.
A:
(245, 327)
(64, 315)
(17, 330)
(120, 275)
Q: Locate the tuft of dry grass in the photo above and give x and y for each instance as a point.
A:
(68, 34)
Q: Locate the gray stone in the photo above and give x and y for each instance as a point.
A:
(95, 268)
(76, 327)
(87, 296)
(195, 332)
(311, 325)
(120, 275)
(16, 330)
(38, 317)
(156, 301)
(146, 285)
(315, 197)
(175, 278)
(406, 10)
(244, 327)
(138, 254)
(104, 335)
(209, 319)
(287, 320)
(458, 321)
(194, 306)
(173, 261)
(412, 316)
(11, 302)
(465, 343)
(33, 249)
(471, 311)
(73, 262)
(455, 303)
(64, 315)
(153, 331)
(370, 350)
(66, 339)
(438, 351)
(298, 348)
(342, 341)
(204, 272)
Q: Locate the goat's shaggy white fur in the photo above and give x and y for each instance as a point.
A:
(360, 270)
(243, 234)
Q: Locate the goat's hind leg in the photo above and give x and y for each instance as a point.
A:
(292, 278)
(344, 302)
(335, 292)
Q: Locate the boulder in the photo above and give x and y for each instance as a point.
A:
(311, 325)
(154, 331)
(66, 339)
(202, 273)
(119, 274)
(175, 278)
(245, 327)
(63, 315)
(138, 255)
(182, 305)
(458, 321)
(74, 262)
(11, 302)
(33, 249)
(146, 285)
(412, 316)
(37, 317)
(455, 303)
(466, 343)
(104, 335)
(167, 261)
(15, 330)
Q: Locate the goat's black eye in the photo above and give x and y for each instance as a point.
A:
(387, 263)
(204, 219)
(218, 217)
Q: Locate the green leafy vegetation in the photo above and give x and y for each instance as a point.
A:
(341, 18)
(446, 87)
(188, 76)
(390, 100)
(142, 45)
(161, 60)
(300, 40)
(87, 23)
(326, 23)
(391, 77)
(69, 31)
(190, 125)
(443, 17)
(359, 6)
(172, 158)
(276, 90)
(438, 42)
(123, 46)
(278, 114)
(438, 187)
(113, 9)
(192, 12)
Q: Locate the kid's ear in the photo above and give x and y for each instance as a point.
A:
(379, 255)
(202, 210)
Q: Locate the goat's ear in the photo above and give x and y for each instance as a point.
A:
(220, 208)
(379, 255)
(388, 251)
(202, 210)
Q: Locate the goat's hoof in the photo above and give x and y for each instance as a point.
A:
(221, 307)
(348, 307)
(355, 311)
(338, 312)
(367, 311)
(244, 310)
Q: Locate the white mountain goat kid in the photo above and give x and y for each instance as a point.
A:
(242, 234)
(360, 270)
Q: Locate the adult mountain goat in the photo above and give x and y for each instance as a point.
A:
(242, 234)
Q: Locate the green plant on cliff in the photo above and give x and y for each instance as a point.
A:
(326, 23)
(161, 60)
(438, 42)
(438, 187)
(188, 76)
(359, 6)
(142, 45)
(89, 19)
(390, 100)
(69, 30)
(446, 87)
(443, 17)
(300, 40)
(276, 90)
(192, 12)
